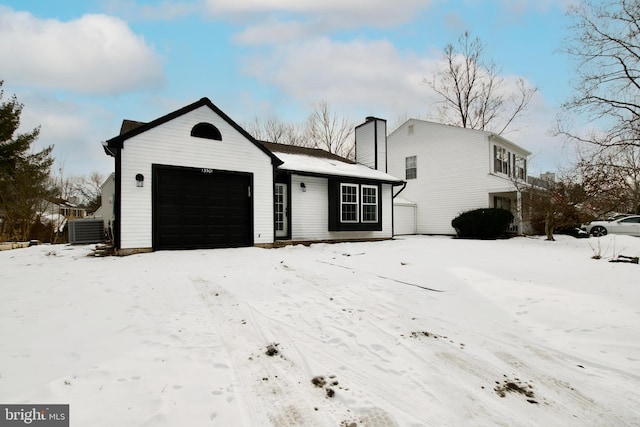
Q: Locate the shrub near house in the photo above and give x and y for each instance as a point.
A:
(486, 223)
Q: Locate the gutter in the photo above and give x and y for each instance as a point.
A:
(404, 185)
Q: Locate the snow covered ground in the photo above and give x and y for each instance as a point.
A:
(418, 331)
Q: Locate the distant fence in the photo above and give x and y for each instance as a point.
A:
(4, 246)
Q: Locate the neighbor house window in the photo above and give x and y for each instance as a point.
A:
(500, 160)
(509, 163)
(369, 203)
(521, 168)
(502, 203)
(411, 167)
(348, 203)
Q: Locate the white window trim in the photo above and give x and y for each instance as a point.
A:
(363, 204)
(356, 203)
(414, 168)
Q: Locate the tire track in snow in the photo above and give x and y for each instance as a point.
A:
(266, 389)
(367, 393)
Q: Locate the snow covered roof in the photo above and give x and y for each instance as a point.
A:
(319, 162)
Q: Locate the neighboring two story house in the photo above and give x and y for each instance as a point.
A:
(448, 170)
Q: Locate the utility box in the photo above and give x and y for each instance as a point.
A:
(86, 231)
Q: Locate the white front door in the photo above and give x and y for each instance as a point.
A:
(281, 210)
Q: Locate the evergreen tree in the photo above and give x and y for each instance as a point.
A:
(23, 173)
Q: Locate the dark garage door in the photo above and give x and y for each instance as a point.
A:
(201, 208)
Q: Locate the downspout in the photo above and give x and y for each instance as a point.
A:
(115, 153)
(404, 185)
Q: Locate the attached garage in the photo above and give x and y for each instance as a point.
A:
(192, 179)
(201, 208)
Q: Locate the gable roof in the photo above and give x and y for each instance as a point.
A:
(487, 134)
(131, 128)
(303, 160)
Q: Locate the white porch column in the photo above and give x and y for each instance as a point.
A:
(519, 211)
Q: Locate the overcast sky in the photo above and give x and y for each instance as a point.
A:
(81, 66)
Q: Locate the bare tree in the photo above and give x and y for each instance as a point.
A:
(556, 204)
(605, 49)
(612, 179)
(81, 190)
(472, 92)
(89, 190)
(329, 131)
(274, 130)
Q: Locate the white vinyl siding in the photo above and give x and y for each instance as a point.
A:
(310, 212)
(171, 144)
(381, 145)
(365, 146)
(371, 144)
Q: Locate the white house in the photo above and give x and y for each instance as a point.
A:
(57, 212)
(195, 179)
(447, 169)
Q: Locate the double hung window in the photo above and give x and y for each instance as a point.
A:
(354, 206)
(508, 163)
(411, 167)
(348, 203)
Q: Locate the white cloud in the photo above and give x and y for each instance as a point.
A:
(95, 54)
(379, 8)
(158, 11)
(359, 73)
(276, 21)
(274, 32)
(74, 128)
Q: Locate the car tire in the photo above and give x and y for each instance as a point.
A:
(598, 231)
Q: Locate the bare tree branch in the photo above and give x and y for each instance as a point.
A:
(473, 95)
(329, 131)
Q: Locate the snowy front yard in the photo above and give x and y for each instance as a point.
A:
(419, 331)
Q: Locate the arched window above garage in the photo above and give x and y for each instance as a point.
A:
(206, 130)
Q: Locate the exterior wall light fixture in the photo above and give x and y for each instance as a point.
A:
(139, 180)
(303, 187)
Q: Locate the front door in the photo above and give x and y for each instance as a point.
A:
(281, 211)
